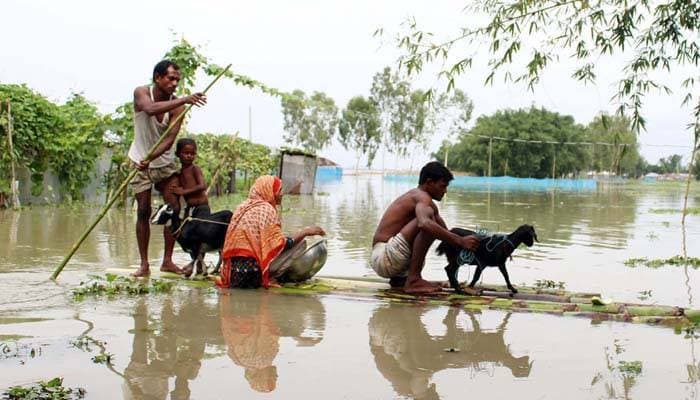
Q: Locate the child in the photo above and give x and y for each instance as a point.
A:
(192, 186)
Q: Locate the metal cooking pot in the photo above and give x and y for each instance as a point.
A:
(305, 265)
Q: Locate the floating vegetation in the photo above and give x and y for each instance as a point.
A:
(20, 320)
(660, 262)
(630, 368)
(12, 349)
(644, 295)
(112, 284)
(51, 390)
(691, 210)
(85, 343)
(549, 284)
(103, 358)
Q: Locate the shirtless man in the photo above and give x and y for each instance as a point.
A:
(154, 107)
(408, 228)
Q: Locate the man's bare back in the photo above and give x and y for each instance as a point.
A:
(400, 213)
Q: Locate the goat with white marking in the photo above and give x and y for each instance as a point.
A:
(196, 236)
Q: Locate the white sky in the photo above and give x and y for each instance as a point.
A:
(105, 49)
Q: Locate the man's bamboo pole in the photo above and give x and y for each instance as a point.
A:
(124, 184)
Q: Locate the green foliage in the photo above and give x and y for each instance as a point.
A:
(222, 156)
(64, 138)
(359, 129)
(111, 285)
(514, 157)
(404, 114)
(526, 36)
(690, 211)
(622, 157)
(51, 390)
(309, 122)
(631, 368)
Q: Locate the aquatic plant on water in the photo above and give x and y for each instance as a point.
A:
(112, 284)
(660, 262)
(51, 390)
(549, 284)
(103, 358)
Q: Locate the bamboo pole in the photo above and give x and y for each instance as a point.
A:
(124, 184)
(490, 152)
(687, 189)
(13, 184)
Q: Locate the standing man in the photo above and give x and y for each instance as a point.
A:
(154, 107)
(408, 228)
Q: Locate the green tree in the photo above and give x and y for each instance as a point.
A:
(359, 129)
(622, 156)
(309, 122)
(454, 111)
(670, 164)
(508, 132)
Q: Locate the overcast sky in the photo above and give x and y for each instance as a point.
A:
(105, 49)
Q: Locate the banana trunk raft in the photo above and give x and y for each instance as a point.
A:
(528, 299)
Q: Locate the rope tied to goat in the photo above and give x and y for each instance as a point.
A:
(188, 219)
(468, 256)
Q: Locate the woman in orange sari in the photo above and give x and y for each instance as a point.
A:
(254, 237)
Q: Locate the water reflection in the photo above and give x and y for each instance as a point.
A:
(169, 346)
(245, 326)
(252, 324)
(408, 356)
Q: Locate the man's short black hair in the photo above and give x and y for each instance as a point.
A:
(184, 142)
(434, 171)
(162, 68)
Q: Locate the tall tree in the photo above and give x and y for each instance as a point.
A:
(309, 122)
(454, 111)
(622, 156)
(359, 129)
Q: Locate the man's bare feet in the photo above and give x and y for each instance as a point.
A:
(142, 272)
(170, 267)
(187, 269)
(420, 286)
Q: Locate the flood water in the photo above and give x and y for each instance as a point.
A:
(197, 343)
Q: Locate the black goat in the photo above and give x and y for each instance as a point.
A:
(196, 236)
(493, 251)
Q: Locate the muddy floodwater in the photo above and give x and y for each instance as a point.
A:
(196, 343)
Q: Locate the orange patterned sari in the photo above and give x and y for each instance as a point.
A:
(255, 230)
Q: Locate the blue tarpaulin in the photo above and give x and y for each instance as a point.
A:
(508, 183)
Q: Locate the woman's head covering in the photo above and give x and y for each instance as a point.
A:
(255, 229)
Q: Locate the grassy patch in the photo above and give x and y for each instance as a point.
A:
(51, 390)
(20, 320)
(660, 262)
(12, 338)
(112, 284)
(691, 211)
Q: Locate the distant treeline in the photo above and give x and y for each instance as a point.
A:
(539, 143)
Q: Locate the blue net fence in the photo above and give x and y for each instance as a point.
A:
(328, 174)
(508, 183)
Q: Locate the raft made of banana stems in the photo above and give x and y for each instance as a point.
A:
(528, 299)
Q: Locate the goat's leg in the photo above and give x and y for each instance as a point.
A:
(201, 267)
(504, 272)
(218, 265)
(451, 269)
(477, 275)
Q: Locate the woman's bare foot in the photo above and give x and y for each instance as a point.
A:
(142, 272)
(170, 267)
(420, 286)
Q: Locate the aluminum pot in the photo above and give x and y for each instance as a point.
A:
(309, 262)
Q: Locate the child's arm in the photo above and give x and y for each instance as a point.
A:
(199, 186)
